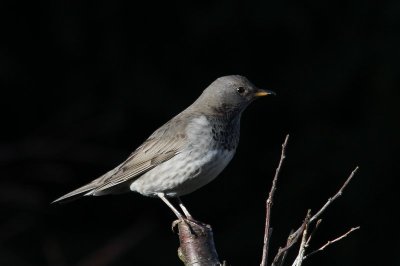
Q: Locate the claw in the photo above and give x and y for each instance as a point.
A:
(175, 223)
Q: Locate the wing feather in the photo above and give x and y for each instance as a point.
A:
(161, 146)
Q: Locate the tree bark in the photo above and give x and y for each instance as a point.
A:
(197, 246)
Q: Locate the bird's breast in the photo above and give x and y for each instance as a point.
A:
(202, 159)
(214, 133)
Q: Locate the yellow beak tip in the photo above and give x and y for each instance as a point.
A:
(262, 93)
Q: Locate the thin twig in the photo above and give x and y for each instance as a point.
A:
(332, 241)
(269, 203)
(299, 259)
(313, 232)
(282, 261)
(331, 199)
(337, 195)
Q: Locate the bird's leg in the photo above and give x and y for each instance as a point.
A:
(166, 201)
(183, 208)
(190, 220)
(187, 220)
(177, 213)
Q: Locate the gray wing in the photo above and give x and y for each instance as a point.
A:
(161, 146)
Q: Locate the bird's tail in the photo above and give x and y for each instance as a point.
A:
(90, 189)
(82, 191)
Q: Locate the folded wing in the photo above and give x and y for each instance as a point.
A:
(158, 148)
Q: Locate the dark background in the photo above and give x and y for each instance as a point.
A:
(84, 83)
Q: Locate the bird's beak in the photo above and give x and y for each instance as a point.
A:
(260, 93)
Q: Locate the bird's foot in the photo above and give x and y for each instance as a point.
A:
(194, 226)
(174, 224)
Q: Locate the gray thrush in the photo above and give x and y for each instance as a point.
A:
(188, 151)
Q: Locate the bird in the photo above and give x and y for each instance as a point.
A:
(187, 152)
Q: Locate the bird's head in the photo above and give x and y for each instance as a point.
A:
(231, 93)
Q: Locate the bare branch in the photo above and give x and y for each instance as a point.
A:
(337, 195)
(331, 199)
(293, 238)
(332, 241)
(299, 259)
(267, 232)
(196, 243)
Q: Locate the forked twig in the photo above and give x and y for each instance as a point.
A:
(295, 236)
(337, 195)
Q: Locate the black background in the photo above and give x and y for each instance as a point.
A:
(84, 83)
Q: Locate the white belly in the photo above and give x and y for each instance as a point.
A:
(183, 174)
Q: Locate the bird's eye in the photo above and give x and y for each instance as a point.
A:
(240, 90)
